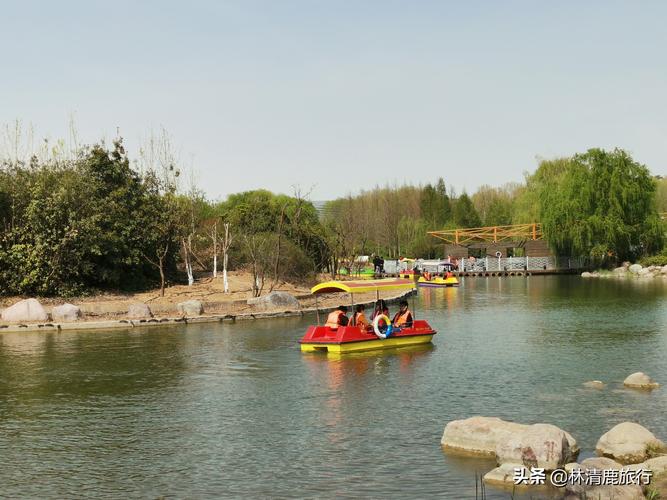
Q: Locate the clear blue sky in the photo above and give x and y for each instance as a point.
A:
(343, 95)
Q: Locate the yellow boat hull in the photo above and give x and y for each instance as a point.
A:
(453, 281)
(367, 345)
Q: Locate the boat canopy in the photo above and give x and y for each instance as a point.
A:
(363, 286)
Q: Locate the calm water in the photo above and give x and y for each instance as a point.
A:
(237, 410)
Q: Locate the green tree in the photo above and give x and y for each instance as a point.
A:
(600, 204)
(464, 212)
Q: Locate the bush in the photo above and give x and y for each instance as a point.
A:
(654, 260)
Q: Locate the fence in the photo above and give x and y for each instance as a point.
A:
(522, 264)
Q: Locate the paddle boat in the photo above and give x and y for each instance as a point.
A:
(352, 338)
(439, 281)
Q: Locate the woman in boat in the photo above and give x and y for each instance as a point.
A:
(337, 318)
(403, 318)
(360, 318)
(380, 308)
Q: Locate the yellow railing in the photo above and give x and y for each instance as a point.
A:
(491, 234)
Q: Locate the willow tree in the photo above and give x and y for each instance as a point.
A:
(599, 204)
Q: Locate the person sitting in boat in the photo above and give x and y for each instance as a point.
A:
(427, 276)
(403, 317)
(337, 318)
(360, 318)
(380, 308)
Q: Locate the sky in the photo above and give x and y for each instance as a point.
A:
(333, 97)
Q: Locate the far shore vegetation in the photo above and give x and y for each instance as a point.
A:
(98, 219)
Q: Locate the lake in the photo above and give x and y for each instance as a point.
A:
(231, 410)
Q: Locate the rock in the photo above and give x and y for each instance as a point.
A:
(580, 489)
(628, 443)
(635, 268)
(586, 274)
(478, 435)
(539, 445)
(595, 384)
(276, 300)
(645, 273)
(66, 312)
(190, 308)
(569, 467)
(620, 270)
(658, 465)
(663, 270)
(139, 311)
(639, 380)
(586, 491)
(503, 475)
(600, 463)
(25, 310)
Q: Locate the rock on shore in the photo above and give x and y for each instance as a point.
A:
(190, 308)
(477, 435)
(275, 300)
(25, 310)
(628, 443)
(66, 312)
(139, 311)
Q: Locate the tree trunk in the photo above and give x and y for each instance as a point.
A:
(215, 250)
(161, 267)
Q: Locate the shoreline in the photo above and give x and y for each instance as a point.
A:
(52, 326)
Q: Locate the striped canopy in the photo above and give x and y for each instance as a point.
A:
(362, 286)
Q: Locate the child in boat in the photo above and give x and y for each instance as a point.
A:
(403, 317)
(360, 318)
(337, 318)
(380, 308)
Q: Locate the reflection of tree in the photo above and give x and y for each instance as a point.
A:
(83, 365)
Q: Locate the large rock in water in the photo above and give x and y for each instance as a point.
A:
(539, 445)
(139, 311)
(276, 300)
(628, 443)
(585, 489)
(504, 474)
(190, 308)
(25, 310)
(477, 435)
(66, 312)
(640, 380)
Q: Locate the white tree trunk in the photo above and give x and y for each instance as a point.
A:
(215, 265)
(224, 273)
(215, 250)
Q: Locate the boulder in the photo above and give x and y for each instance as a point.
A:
(620, 270)
(139, 311)
(66, 312)
(190, 308)
(635, 268)
(25, 310)
(658, 465)
(586, 274)
(504, 474)
(595, 384)
(640, 380)
(645, 273)
(276, 300)
(581, 489)
(539, 445)
(663, 270)
(477, 435)
(628, 443)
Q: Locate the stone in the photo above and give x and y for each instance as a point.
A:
(25, 310)
(66, 312)
(595, 384)
(139, 311)
(639, 380)
(477, 435)
(628, 443)
(586, 274)
(190, 308)
(663, 270)
(635, 268)
(503, 475)
(645, 273)
(539, 445)
(586, 491)
(600, 463)
(276, 300)
(658, 465)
